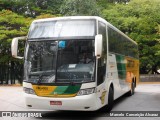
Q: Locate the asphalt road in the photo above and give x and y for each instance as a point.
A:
(146, 98)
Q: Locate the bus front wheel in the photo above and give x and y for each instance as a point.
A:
(110, 100)
(108, 108)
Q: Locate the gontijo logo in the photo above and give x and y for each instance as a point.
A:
(41, 88)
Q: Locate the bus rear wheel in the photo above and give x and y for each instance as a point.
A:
(132, 91)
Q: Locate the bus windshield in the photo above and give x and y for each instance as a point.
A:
(60, 61)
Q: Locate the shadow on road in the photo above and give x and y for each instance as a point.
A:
(78, 115)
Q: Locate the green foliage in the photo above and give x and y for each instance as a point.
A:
(11, 25)
(32, 8)
(79, 7)
(140, 20)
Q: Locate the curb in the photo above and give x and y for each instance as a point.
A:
(13, 85)
(149, 83)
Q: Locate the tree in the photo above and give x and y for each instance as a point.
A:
(11, 25)
(79, 7)
(32, 8)
(140, 20)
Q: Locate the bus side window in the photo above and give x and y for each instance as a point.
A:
(102, 61)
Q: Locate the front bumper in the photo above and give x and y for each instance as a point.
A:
(77, 103)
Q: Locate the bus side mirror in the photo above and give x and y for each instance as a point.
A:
(14, 46)
(98, 46)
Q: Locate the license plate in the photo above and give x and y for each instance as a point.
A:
(55, 102)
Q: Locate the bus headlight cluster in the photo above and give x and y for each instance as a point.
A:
(28, 90)
(86, 91)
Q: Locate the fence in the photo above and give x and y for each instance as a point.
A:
(150, 78)
(11, 73)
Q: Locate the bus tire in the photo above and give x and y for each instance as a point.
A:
(132, 91)
(110, 100)
(109, 107)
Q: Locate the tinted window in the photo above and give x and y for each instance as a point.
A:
(121, 44)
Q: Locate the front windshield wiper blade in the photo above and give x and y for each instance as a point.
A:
(41, 74)
(39, 80)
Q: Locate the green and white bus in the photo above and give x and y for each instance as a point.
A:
(77, 63)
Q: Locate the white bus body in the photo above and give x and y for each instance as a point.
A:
(77, 63)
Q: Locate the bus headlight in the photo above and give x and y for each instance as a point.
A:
(28, 90)
(86, 91)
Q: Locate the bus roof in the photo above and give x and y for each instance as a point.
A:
(68, 18)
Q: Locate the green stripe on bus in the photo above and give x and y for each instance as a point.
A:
(73, 89)
(60, 89)
(66, 89)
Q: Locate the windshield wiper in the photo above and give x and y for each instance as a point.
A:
(40, 79)
(43, 73)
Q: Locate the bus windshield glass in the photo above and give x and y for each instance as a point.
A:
(61, 28)
(61, 61)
